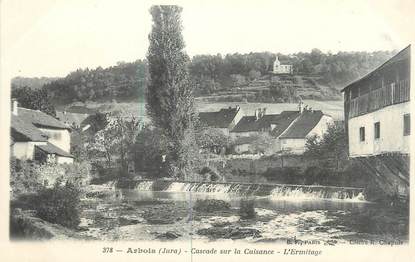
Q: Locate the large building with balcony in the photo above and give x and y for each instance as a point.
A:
(377, 119)
(377, 109)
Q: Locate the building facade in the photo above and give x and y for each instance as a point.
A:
(278, 68)
(378, 123)
(309, 123)
(38, 136)
(377, 109)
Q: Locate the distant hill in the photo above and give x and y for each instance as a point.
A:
(233, 77)
(32, 82)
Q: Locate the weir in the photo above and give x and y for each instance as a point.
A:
(274, 191)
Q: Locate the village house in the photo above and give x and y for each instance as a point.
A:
(38, 136)
(289, 129)
(307, 124)
(278, 68)
(377, 120)
(223, 120)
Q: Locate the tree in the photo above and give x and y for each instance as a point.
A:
(170, 102)
(149, 150)
(212, 139)
(332, 146)
(262, 143)
(34, 99)
(116, 141)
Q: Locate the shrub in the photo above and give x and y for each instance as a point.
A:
(59, 204)
(247, 209)
(210, 205)
(23, 177)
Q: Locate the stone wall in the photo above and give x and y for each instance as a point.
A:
(391, 171)
(259, 166)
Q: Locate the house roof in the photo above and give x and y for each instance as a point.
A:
(39, 119)
(71, 118)
(303, 124)
(52, 149)
(250, 124)
(284, 122)
(220, 119)
(25, 131)
(402, 55)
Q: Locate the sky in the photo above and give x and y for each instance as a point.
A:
(55, 37)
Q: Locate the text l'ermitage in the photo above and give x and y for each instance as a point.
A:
(293, 246)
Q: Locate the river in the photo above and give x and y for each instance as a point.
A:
(137, 214)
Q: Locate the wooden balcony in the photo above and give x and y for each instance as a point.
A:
(376, 99)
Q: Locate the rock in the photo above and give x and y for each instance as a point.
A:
(229, 233)
(221, 223)
(126, 221)
(211, 205)
(169, 235)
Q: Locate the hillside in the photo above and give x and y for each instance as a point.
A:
(216, 78)
(32, 82)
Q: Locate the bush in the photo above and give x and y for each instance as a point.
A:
(23, 177)
(59, 205)
(247, 209)
(210, 205)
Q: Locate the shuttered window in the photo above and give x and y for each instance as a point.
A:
(377, 130)
(406, 124)
(362, 134)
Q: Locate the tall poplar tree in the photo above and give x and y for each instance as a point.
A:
(170, 102)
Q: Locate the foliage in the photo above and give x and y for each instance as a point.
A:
(331, 147)
(38, 99)
(211, 139)
(208, 74)
(97, 121)
(115, 141)
(247, 209)
(150, 146)
(31, 82)
(59, 204)
(23, 179)
(262, 143)
(125, 80)
(282, 94)
(170, 102)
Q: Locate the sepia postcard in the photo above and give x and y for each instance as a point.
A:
(206, 130)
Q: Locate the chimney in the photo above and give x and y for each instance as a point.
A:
(257, 114)
(14, 106)
(301, 106)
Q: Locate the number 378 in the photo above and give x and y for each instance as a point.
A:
(107, 250)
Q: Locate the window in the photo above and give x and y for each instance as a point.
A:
(362, 134)
(377, 130)
(406, 124)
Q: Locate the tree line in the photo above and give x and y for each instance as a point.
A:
(207, 73)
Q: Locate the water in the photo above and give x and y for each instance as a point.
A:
(285, 212)
(275, 191)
